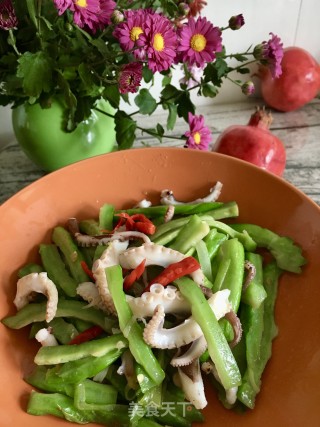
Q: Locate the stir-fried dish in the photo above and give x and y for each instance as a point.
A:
(135, 307)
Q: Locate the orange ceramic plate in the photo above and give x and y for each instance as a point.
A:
(290, 393)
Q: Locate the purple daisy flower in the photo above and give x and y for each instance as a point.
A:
(130, 77)
(62, 5)
(8, 18)
(106, 9)
(86, 13)
(270, 53)
(199, 40)
(199, 135)
(128, 32)
(273, 54)
(159, 41)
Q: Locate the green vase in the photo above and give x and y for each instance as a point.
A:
(39, 133)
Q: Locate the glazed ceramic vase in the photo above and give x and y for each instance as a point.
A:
(41, 136)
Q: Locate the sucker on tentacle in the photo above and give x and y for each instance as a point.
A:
(194, 352)
(156, 336)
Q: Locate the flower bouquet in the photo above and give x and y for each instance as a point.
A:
(87, 50)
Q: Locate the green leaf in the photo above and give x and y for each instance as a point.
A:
(240, 58)
(209, 90)
(35, 71)
(112, 94)
(147, 74)
(88, 85)
(31, 5)
(214, 72)
(69, 123)
(170, 92)
(155, 132)
(125, 130)
(185, 106)
(166, 80)
(145, 101)
(172, 116)
(243, 70)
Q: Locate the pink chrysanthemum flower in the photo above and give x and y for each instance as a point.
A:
(91, 14)
(199, 41)
(159, 41)
(273, 54)
(199, 135)
(129, 31)
(130, 77)
(85, 13)
(62, 5)
(8, 18)
(106, 9)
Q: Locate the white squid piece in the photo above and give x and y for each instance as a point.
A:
(109, 258)
(144, 306)
(156, 255)
(37, 282)
(158, 337)
(46, 338)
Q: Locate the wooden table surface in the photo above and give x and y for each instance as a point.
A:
(299, 131)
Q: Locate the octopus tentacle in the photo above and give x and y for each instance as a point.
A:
(156, 255)
(167, 196)
(156, 336)
(144, 306)
(170, 298)
(37, 282)
(102, 239)
(194, 352)
(192, 384)
(90, 293)
(231, 393)
(109, 258)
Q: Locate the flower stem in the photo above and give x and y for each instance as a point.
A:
(12, 42)
(243, 65)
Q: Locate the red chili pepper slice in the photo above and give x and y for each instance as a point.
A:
(143, 224)
(87, 335)
(174, 271)
(136, 222)
(134, 275)
(87, 270)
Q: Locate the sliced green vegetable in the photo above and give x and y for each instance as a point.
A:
(260, 330)
(218, 346)
(106, 214)
(287, 254)
(30, 268)
(36, 312)
(130, 328)
(73, 257)
(53, 355)
(56, 269)
(255, 293)
(190, 234)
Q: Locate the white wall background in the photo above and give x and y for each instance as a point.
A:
(296, 22)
